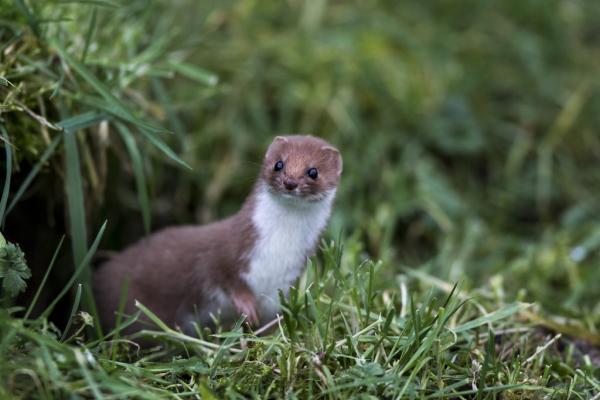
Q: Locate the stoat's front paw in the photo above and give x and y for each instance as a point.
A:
(245, 304)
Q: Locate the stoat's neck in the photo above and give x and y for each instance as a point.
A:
(300, 221)
(287, 233)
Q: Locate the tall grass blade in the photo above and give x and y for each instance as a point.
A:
(78, 122)
(115, 105)
(152, 317)
(101, 3)
(43, 283)
(72, 314)
(81, 360)
(75, 197)
(31, 19)
(162, 146)
(98, 86)
(74, 191)
(34, 172)
(90, 33)
(82, 121)
(175, 123)
(4, 81)
(198, 74)
(6, 189)
(82, 266)
(494, 316)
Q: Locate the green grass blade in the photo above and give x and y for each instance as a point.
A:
(411, 378)
(162, 146)
(175, 122)
(195, 73)
(74, 191)
(78, 122)
(81, 360)
(152, 317)
(34, 172)
(115, 105)
(6, 189)
(89, 34)
(491, 317)
(5, 82)
(101, 103)
(72, 314)
(82, 121)
(31, 19)
(101, 3)
(75, 197)
(83, 265)
(130, 320)
(138, 170)
(122, 303)
(43, 283)
(94, 82)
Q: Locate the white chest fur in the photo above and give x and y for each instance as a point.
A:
(287, 230)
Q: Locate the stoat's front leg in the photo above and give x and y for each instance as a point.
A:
(244, 302)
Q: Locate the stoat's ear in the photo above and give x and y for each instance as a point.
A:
(277, 142)
(335, 152)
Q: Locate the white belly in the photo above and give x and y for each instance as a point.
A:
(288, 231)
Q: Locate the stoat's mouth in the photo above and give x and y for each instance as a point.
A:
(298, 197)
(291, 196)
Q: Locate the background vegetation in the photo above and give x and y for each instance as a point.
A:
(469, 132)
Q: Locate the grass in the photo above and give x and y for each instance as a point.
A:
(327, 345)
(469, 134)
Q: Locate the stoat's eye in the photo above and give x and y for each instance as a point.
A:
(313, 173)
(278, 166)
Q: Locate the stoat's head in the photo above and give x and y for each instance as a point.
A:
(301, 167)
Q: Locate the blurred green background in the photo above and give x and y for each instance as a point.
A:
(469, 129)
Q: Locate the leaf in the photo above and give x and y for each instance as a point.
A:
(13, 283)
(13, 269)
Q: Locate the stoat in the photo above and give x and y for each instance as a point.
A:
(235, 266)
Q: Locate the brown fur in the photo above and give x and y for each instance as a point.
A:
(300, 153)
(177, 268)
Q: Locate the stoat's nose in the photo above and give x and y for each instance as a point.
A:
(290, 184)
